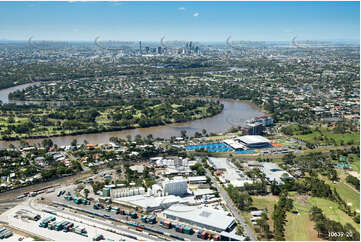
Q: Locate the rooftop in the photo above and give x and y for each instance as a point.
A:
(218, 163)
(253, 139)
(206, 216)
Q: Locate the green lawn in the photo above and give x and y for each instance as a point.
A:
(330, 210)
(262, 202)
(356, 162)
(300, 227)
(315, 136)
(348, 194)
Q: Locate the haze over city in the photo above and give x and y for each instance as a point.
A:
(196, 21)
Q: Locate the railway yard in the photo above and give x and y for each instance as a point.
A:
(65, 216)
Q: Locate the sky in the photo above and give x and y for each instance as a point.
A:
(191, 21)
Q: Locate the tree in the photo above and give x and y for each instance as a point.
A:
(129, 138)
(74, 142)
(184, 134)
(86, 192)
(47, 143)
(275, 189)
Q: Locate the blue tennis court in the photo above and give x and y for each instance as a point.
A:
(218, 147)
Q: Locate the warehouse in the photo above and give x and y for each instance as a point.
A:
(218, 163)
(147, 203)
(207, 218)
(197, 179)
(254, 141)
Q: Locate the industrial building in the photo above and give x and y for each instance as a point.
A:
(207, 218)
(127, 192)
(254, 141)
(218, 163)
(225, 236)
(177, 186)
(147, 203)
(274, 173)
(197, 179)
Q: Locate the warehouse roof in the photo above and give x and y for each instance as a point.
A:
(147, 201)
(204, 216)
(197, 178)
(233, 236)
(253, 139)
(218, 163)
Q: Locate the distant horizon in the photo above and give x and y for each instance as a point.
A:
(201, 41)
(191, 21)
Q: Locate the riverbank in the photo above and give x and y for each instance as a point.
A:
(35, 121)
(235, 113)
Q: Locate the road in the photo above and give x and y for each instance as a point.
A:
(232, 207)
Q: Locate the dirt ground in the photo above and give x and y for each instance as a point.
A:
(303, 199)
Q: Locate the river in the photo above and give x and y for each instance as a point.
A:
(235, 113)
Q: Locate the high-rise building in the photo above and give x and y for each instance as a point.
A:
(140, 47)
(159, 50)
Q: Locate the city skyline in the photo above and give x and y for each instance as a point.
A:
(192, 21)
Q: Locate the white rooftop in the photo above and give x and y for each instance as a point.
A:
(207, 216)
(253, 139)
(149, 201)
(234, 144)
(197, 178)
(218, 163)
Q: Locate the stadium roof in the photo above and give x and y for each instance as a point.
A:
(253, 139)
(234, 144)
(206, 216)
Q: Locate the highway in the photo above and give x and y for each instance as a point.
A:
(232, 207)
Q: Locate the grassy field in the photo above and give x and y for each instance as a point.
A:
(356, 162)
(300, 227)
(329, 208)
(348, 194)
(262, 202)
(315, 137)
(345, 190)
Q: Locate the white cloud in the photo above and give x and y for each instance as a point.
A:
(182, 8)
(196, 14)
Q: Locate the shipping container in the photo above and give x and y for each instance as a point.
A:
(152, 219)
(166, 224)
(204, 235)
(187, 230)
(133, 215)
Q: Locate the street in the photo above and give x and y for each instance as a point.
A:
(232, 207)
